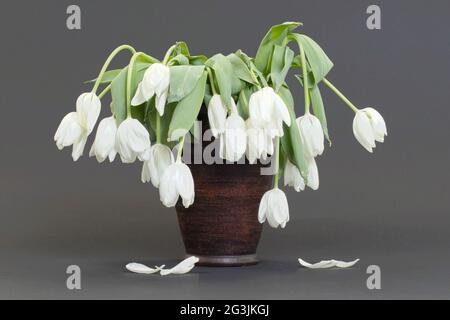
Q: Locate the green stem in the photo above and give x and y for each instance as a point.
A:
(305, 79)
(158, 128)
(129, 78)
(211, 80)
(168, 53)
(105, 91)
(180, 149)
(340, 95)
(277, 163)
(108, 61)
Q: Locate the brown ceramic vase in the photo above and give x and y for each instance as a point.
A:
(221, 228)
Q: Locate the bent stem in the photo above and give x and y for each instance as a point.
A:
(129, 76)
(168, 53)
(305, 79)
(277, 163)
(180, 149)
(108, 62)
(340, 95)
(105, 91)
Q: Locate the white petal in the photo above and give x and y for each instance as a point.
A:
(313, 174)
(146, 172)
(78, 148)
(88, 109)
(217, 114)
(185, 184)
(139, 97)
(263, 206)
(161, 102)
(378, 124)
(183, 267)
(362, 129)
(160, 159)
(168, 193)
(141, 268)
(325, 264)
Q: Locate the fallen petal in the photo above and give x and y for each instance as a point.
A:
(325, 264)
(183, 267)
(141, 268)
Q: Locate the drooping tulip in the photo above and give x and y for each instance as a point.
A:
(176, 182)
(160, 159)
(368, 127)
(155, 82)
(217, 115)
(132, 140)
(269, 111)
(312, 134)
(274, 207)
(76, 126)
(292, 177)
(105, 140)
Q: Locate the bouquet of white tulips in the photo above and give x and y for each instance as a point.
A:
(250, 109)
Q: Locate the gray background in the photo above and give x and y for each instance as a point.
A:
(390, 208)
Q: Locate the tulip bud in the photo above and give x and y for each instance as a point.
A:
(132, 140)
(177, 181)
(368, 127)
(311, 134)
(274, 207)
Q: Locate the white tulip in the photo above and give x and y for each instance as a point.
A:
(76, 126)
(269, 111)
(132, 140)
(217, 114)
(313, 174)
(292, 177)
(233, 142)
(274, 207)
(312, 134)
(155, 82)
(368, 127)
(160, 159)
(177, 181)
(105, 140)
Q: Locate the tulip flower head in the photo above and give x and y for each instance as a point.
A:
(155, 82)
(268, 111)
(274, 207)
(132, 140)
(176, 182)
(160, 159)
(311, 134)
(105, 140)
(368, 127)
(217, 115)
(75, 127)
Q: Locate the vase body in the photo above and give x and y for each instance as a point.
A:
(221, 228)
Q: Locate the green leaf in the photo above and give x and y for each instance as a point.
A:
(291, 141)
(182, 48)
(108, 77)
(319, 110)
(318, 61)
(241, 69)
(183, 80)
(118, 94)
(242, 105)
(197, 60)
(275, 36)
(281, 63)
(164, 122)
(187, 110)
(224, 75)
